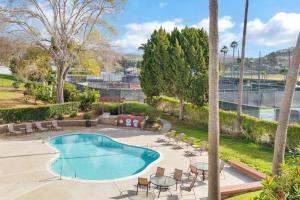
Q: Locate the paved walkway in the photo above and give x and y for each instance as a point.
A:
(24, 176)
(166, 126)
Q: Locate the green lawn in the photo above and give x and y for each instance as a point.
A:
(6, 80)
(254, 155)
(248, 196)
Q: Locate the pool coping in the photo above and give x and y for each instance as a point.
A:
(50, 162)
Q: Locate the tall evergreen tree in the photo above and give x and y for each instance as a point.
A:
(176, 64)
(155, 60)
(194, 43)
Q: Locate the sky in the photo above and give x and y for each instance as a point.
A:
(272, 24)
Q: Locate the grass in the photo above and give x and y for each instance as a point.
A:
(255, 155)
(6, 80)
(10, 98)
(248, 196)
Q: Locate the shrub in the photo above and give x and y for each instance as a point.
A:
(87, 115)
(37, 113)
(112, 108)
(60, 117)
(73, 114)
(254, 129)
(40, 92)
(287, 184)
(87, 98)
(71, 93)
(16, 84)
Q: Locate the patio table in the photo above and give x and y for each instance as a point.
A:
(201, 166)
(162, 182)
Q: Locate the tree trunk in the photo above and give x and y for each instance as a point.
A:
(241, 80)
(60, 86)
(213, 123)
(285, 110)
(181, 108)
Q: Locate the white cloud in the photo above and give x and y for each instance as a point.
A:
(225, 23)
(163, 4)
(138, 33)
(281, 29)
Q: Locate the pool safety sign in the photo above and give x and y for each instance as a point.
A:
(131, 121)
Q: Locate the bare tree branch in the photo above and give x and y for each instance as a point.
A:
(62, 27)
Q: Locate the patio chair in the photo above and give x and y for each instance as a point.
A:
(11, 129)
(142, 182)
(160, 171)
(29, 128)
(55, 125)
(189, 188)
(178, 176)
(39, 126)
(193, 171)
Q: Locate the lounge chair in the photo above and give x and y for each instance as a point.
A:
(29, 128)
(40, 127)
(55, 125)
(222, 165)
(161, 140)
(11, 129)
(142, 182)
(170, 135)
(177, 141)
(190, 142)
(202, 148)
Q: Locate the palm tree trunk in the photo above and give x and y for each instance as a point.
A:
(213, 124)
(241, 80)
(285, 110)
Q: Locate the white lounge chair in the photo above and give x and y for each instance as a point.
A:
(29, 128)
(177, 141)
(55, 125)
(202, 148)
(189, 143)
(40, 127)
(11, 129)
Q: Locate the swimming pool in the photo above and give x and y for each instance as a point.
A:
(92, 156)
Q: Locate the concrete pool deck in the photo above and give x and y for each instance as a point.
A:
(24, 174)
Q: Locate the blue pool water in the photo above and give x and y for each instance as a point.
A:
(97, 157)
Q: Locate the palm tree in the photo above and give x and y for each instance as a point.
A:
(285, 110)
(241, 80)
(233, 45)
(224, 51)
(213, 103)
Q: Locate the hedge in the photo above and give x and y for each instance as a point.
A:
(254, 129)
(134, 108)
(9, 115)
